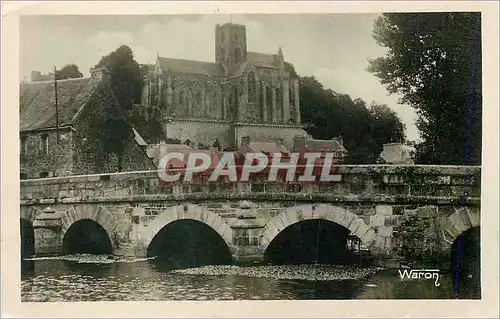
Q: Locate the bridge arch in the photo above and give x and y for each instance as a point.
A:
(186, 212)
(96, 213)
(332, 213)
(29, 213)
(27, 232)
(460, 221)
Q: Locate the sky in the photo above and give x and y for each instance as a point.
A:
(334, 48)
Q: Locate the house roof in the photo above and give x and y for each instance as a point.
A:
(324, 145)
(264, 147)
(190, 66)
(37, 102)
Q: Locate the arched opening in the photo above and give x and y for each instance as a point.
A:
(466, 263)
(27, 239)
(314, 241)
(189, 243)
(87, 237)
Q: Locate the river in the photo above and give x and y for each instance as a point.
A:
(81, 279)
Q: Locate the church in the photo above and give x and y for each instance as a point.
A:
(241, 94)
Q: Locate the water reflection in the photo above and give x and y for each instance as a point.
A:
(62, 280)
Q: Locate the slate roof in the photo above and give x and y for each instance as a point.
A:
(261, 59)
(312, 145)
(37, 102)
(191, 66)
(264, 147)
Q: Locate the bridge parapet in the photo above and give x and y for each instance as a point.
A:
(373, 183)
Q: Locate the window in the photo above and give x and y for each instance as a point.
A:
(24, 145)
(262, 102)
(44, 144)
(279, 107)
(181, 99)
(251, 87)
(237, 54)
(269, 101)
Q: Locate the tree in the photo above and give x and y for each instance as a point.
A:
(434, 62)
(126, 76)
(69, 71)
(126, 83)
(364, 129)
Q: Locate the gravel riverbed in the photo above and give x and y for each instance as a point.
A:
(314, 272)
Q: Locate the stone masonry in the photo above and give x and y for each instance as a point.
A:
(370, 201)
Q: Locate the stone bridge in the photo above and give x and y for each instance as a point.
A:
(131, 209)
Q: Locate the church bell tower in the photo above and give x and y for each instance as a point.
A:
(230, 45)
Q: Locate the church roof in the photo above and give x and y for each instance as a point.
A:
(262, 60)
(190, 66)
(37, 102)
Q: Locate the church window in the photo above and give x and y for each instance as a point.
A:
(181, 98)
(269, 101)
(279, 106)
(262, 102)
(198, 97)
(234, 102)
(237, 54)
(251, 87)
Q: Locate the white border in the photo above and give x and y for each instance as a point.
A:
(11, 305)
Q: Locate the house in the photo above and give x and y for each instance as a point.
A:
(67, 142)
(397, 153)
(304, 144)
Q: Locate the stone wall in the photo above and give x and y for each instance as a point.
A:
(263, 132)
(200, 131)
(376, 183)
(54, 159)
(371, 201)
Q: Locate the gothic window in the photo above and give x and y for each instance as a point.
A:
(233, 102)
(269, 102)
(251, 87)
(237, 54)
(291, 107)
(279, 106)
(262, 102)
(181, 99)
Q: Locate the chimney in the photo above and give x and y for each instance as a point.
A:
(245, 141)
(35, 76)
(99, 73)
(299, 143)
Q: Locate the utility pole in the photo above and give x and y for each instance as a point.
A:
(57, 106)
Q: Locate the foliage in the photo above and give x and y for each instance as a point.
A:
(420, 240)
(126, 76)
(364, 129)
(126, 82)
(69, 71)
(434, 62)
